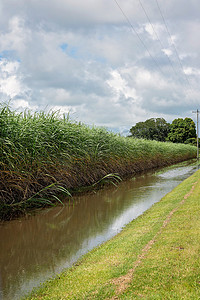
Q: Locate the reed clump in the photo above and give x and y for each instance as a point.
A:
(44, 154)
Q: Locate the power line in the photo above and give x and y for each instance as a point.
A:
(130, 24)
(167, 29)
(162, 46)
(153, 59)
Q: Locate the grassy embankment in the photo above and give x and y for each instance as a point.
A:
(42, 155)
(156, 256)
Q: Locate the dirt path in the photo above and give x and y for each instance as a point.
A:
(123, 282)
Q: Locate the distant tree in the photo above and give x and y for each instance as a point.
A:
(182, 131)
(152, 129)
(191, 141)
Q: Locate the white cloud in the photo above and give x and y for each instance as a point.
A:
(191, 71)
(84, 58)
(117, 83)
(21, 104)
(150, 80)
(168, 52)
(10, 85)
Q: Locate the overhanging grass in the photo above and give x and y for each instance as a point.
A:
(169, 269)
(43, 154)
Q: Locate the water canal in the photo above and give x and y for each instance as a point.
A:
(37, 247)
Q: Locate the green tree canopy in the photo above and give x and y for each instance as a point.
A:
(182, 131)
(151, 129)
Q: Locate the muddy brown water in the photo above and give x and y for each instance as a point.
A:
(38, 247)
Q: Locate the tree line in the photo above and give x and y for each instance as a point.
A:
(179, 131)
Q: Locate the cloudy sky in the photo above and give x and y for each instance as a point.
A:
(109, 63)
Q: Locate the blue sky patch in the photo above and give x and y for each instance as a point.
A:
(64, 47)
(72, 51)
(9, 55)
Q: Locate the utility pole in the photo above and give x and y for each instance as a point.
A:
(197, 112)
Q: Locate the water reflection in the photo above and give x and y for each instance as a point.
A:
(37, 247)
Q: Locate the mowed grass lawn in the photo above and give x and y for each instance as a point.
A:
(157, 256)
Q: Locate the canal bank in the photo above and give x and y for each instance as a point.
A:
(156, 256)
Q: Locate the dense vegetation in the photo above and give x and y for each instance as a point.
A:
(182, 131)
(42, 155)
(152, 129)
(179, 131)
